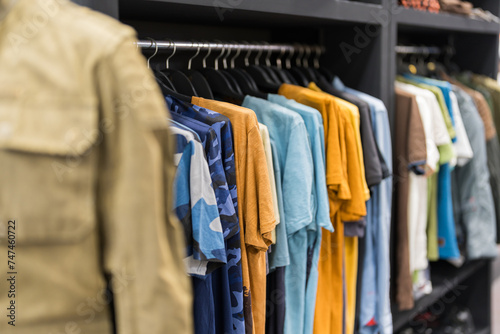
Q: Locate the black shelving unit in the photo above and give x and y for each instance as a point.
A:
(360, 39)
(443, 21)
(449, 285)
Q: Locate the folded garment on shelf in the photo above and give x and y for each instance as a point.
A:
(485, 15)
(456, 6)
(426, 5)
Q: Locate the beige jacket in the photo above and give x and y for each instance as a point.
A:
(86, 172)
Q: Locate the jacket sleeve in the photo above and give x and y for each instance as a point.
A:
(142, 240)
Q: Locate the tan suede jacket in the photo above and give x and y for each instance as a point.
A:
(86, 174)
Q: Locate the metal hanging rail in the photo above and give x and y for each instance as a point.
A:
(214, 46)
(426, 50)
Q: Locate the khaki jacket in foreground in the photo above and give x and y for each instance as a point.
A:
(86, 172)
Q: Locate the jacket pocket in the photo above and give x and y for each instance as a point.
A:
(48, 168)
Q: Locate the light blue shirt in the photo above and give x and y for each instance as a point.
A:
(288, 132)
(279, 256)
(314, 125)
(375, 307)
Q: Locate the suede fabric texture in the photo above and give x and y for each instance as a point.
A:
(87, 173)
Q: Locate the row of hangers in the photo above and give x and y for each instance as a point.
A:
(228, 82)
(426, 61)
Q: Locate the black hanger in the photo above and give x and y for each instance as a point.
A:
(246, 88)
(264, 82)
(164, 88)
(278, 70)
(316, 66)
(300, 70)
(198, 81)
(167, 91)
(245, 81)
(294, 76)
(242, 74)
(201, 85)
(163, 78)
(232, 81)
(267, 67)
(299, 76)
(321, 71)
(311, 73)
(180, 81)
(220, 85)
(183, 84)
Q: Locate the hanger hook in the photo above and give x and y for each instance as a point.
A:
(156, 50)
(268, 56)
(247, 56)
(278, 59)
(224, 60)
(288, 60)
(259, 53)
(317, 54)
(238, 51)
(216, 61)
(298, 60)
(208, 54)
(306, 58)
(197, 53)
(171, 43)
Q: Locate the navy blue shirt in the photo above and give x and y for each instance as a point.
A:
(224, 287)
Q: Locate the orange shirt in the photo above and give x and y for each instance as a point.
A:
(347, 199)
(255, 207)
(351, 243)
(343, 171)
(356, 122)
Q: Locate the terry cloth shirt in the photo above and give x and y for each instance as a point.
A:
(256, 213)
(347, 200)
(288, 131)
(314, 125)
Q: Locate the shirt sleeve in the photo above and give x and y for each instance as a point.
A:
(432, 152)
(142, 239)
(416, 143)
(208, 252)
(258, 206)
(266, 141)
(335, 147)
(355, 208)
(371, 158)
(462, 145)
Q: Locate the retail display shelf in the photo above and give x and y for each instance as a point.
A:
(416, 19)
(445, 279)
(258, 11)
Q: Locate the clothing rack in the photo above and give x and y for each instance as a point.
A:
(219, 46)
